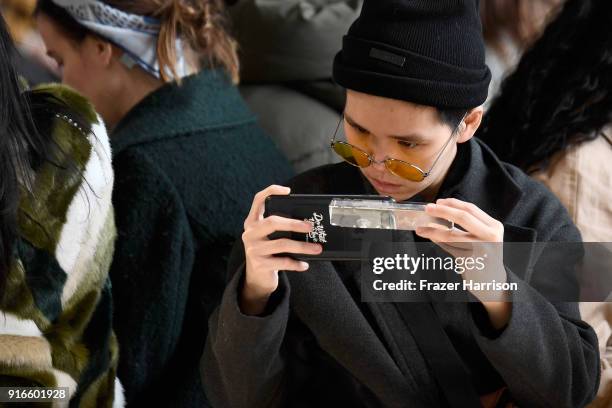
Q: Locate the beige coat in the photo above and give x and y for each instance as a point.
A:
(582, 179)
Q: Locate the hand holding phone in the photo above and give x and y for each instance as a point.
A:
(262, 260)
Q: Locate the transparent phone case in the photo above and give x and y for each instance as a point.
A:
(388, 214)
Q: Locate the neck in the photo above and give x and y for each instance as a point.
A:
(137, 84)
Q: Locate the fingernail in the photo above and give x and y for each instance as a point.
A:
(304, 266)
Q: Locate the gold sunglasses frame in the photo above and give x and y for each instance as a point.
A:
(371, 160)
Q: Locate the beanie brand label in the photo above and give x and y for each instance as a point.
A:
(387, 57)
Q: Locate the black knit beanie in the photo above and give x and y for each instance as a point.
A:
(429, 52)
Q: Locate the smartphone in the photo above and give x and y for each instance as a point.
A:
(339, 243)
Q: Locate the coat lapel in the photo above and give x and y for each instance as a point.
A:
(322, 302)
(480, 178)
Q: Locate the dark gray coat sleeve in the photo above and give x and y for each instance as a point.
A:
(547, 355)
(242, 364)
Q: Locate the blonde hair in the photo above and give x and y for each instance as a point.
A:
(201, 24)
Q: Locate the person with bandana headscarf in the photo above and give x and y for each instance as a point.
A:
(187, 154)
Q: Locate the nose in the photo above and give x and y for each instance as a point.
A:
(378, 163)
(378, 155)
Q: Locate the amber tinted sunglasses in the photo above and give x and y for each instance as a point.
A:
(359, 158)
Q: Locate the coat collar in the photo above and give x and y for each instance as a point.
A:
(479, 177)
(205, 101)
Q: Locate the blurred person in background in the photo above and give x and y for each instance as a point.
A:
(187, 154)
(287, 48)
(553, 118)
(29, 56)
(556, 108)
(509, 27)
(56, 243)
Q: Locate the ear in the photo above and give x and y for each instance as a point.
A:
(100, 50)
(470, 124)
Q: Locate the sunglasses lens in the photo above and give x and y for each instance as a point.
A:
(351, 154)
(405, 170)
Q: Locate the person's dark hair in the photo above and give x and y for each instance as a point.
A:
(561, 91)
(451, 117)
(26, 120)
(16, 130)
(202, 24)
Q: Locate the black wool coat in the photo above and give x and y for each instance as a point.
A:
(318, 345)
(188, 160)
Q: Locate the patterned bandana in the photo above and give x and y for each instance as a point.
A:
(135, 35)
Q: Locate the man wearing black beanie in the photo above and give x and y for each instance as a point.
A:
(416, 79)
